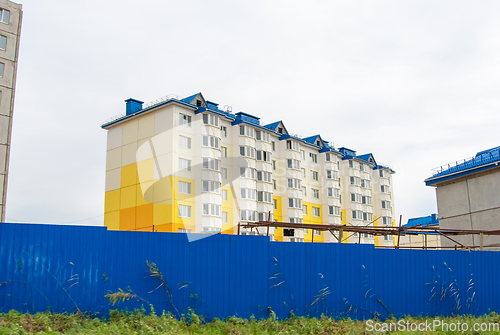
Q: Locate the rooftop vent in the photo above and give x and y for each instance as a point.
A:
(132, 106)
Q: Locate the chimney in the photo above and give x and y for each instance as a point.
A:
(133, 106)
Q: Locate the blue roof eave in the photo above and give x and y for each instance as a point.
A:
(439, 179)
(147, 110)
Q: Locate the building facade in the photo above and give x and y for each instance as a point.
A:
(184, 165)
(10, 31)
(468, 198)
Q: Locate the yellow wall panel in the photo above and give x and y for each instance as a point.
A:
(112, 220)
(112, 201)
(128, 197)
(162, 214)
(129, 175)
(144, 216)
(144, 193)
(127, 219)
(145, 170)
(166, 228)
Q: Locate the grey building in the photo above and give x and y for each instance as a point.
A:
(10, 30)
(468, 197)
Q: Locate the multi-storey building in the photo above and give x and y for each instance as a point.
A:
(10, 30)
(184, 165)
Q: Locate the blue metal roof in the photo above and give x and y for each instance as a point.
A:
(431, 220)
(190, 98)
(483, 160)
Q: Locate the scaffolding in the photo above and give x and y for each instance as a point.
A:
(381, 231)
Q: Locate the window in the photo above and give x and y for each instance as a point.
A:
(314, 157)
(383, 174)
(304, 209)
(211, 119)
(304, 189)
(368, 217)
(211, 164)
(211, 210)
(184, 164)
(223, 131)
(296, 220)
(292, 145)
(264, 176)
(385, 189)
(356, 197)
(210, 186)
(247, 151)
(316, 212)
(303, 154)
(247, 131)
(366, 200)
(362, 167)
(211, 141)
(280, 130)
(246, 172)
(3, 42)
(275, 204)
(334, 210)
(288, 232)
(262, 136)
(357, 215)
(273, 145)
(224, 195)
(333, 192)
(265, 197)
(293, 164)
(274, 165)
(386, 204)
(4, 16)
(248, 193)
(315, 193)
(263, 216)
(388, 238)
(184, 188)
(355, 181)
(264, 156)
(2, 66)
(198, 103)
(274, 184)
(303, 172)
(224, 173)
(328, 157)
(185, 120)
(184, 211)
(295, 203)
(223, 151)
(314, 175)
(185, 231)
(184, 142)
(365, 183)
(248, 215)
(316, 232)
(224, 217)
(331, 174)
(387, 221)
(294, 183)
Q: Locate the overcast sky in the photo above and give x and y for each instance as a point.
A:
(416, 83)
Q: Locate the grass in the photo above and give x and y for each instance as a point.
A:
(139, 322)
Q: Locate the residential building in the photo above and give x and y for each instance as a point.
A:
(426, 239)
(184, 165)
(10, 31)
(467, 193)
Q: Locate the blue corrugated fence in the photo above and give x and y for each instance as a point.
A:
(71, 268)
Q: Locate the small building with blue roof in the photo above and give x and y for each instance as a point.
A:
(468, 197)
